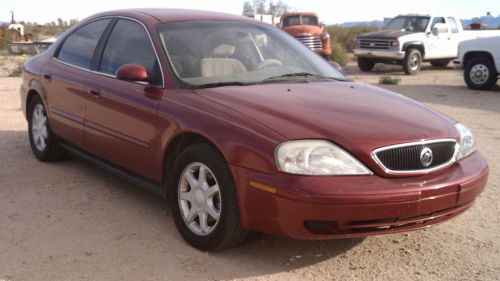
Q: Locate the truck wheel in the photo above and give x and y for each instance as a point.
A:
(366, 64)
(412, 62)
(202, 197)
(480, 74)
(440, 63)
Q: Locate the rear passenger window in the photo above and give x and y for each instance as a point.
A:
(453, 25)
(130, 44)
(78, 49)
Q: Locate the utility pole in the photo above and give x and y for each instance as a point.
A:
(12, 21)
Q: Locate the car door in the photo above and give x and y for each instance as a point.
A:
(120, 120)
(64, 80)
(436, 45)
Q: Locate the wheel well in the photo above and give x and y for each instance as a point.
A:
(31, 95)
(469, 56)
(418, 47)
(179, 144)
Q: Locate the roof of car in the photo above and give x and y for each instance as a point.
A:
(300, 14)
(168, 15)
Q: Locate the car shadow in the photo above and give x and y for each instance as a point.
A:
(75, 186)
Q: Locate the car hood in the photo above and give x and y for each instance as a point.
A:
(295, 30)
(389, 34)
(356, 116)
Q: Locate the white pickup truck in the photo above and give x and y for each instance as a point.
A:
(480, 59)
(409, 40)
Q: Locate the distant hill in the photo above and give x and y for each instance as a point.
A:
(490, 21)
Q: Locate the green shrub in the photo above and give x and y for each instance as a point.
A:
(346, 36)
(339, 54)
(389, 80)
(16, 72)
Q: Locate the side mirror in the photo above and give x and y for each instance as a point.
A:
(132, 72)
(322, 25)
(439, 28)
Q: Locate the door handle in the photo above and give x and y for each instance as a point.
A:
(94, 93)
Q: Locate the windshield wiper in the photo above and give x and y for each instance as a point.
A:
(221, 84)
(301, 75)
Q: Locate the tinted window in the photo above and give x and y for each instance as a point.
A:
(79, 47)
(130, 44)
(453, 25)
(298, 20)
(436, 21)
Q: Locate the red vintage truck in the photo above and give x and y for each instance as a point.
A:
(307, 28)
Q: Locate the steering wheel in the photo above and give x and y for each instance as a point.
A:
(269, 63)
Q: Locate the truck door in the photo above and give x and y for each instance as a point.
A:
(436, 45)
(453, 40)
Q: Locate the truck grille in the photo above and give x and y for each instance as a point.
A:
(312, 42)
(379, 44)
(406, 158)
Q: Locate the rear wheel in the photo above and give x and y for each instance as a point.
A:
(412, 62)
(203, 199)
(43, 142)
(366, 64)
(480, 74)
(440, 63)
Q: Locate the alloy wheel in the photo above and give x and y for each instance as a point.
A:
(39, 128)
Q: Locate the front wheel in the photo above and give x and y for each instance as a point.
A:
(365, 64)
(412, 62)
(480, 74)
(202, 196)
(43, 142)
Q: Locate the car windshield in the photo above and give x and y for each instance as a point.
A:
(218, 53)
(408, 23)
(298, 20)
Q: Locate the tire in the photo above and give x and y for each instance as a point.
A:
(412, 62)
(43, 142)
(480, 74)
(192, 204)
(365, 64)
(440, 63)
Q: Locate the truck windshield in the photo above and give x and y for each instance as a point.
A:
(409, 23)
(219, 53)
(299, 20)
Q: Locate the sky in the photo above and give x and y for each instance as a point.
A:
(330, 12)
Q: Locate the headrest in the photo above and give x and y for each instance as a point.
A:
(224, 50)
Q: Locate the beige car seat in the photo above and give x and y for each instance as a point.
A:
(221, 64)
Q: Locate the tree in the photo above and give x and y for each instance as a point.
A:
(60, 22)
(281, 8)
(248, 10)
(260, 6)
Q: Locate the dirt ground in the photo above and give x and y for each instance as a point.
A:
(73, 221)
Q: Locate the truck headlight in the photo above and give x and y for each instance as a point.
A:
(325, 36)
(395, 45)
(467, 143)
(317, 157)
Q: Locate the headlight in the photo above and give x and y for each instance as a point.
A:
(317, 157)
(395, 45)
(467, 143)
(325, 36)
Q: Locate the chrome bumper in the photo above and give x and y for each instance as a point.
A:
(382, 54)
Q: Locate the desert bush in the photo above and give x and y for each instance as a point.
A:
(17, 71)
(339, 54)
(346, 36)
(389, 80)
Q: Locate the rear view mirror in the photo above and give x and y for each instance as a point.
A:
(132, 72)
(439, 28)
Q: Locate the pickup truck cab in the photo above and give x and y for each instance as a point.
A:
(307, 28)
(410, 40)
(480, 60)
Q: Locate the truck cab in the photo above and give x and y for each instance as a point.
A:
(410, 40)
(307, 28)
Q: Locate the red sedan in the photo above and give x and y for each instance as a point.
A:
(245, 129)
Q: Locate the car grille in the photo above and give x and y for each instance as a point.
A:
(312, 42)
(379, 44)
(406, 158)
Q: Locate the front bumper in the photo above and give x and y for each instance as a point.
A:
(379, 54)
(336, 207)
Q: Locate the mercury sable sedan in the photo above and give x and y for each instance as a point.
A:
(244, 129)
